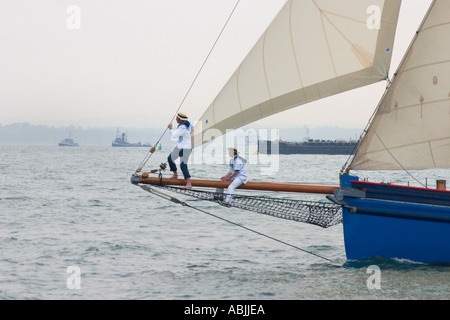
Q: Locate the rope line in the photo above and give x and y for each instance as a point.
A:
(322, 214)
(351, 157)
(396, 160)
(149, 154)
(177, 201)
(254, 231)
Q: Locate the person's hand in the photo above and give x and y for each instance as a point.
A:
(169, 126)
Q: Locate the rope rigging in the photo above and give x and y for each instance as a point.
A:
(152, 149)
(322, 214)
(347, 165)
(177, 201)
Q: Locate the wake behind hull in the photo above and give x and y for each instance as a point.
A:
(396, 222)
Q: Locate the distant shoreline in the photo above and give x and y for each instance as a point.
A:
(25, 133)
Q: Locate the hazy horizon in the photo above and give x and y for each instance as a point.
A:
(26, 133)
(115, 63)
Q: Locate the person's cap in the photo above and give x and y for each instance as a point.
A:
(234, 149)
(182, 116)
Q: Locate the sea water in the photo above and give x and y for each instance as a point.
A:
(72, 226)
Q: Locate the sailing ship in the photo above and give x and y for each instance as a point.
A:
(68, 142)
(317, 48)
(122, 141)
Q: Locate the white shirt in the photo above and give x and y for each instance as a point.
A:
(183, 135)
(238, 163)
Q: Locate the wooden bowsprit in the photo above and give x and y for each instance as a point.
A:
(261, 186)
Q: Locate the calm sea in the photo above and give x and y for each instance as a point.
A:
(74, 227)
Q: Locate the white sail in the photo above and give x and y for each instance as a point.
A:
(312, 49)
(411, 129)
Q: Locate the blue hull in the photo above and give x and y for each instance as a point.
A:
(395, 222)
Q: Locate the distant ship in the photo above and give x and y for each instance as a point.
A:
(121, 141)
(68, 142)
(308, 146)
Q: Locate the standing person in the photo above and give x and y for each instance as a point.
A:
(237, 174)
(183, 147)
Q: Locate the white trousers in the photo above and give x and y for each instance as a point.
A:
(233, 186)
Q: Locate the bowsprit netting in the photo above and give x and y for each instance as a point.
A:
(317, 213)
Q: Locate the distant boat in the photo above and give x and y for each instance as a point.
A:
(308, 146)
(68, 142)
(121, 141)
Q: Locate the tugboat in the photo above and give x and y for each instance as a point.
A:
(68, 142)
(121, 141)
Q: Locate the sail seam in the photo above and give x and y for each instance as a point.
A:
(419, 104)
(238, 92)
(426, 65)
(431, 152)
(321, 12)
(323, 15)
(266, 78)
(343, 17)
(405, 145)
(214, 111)
(293, 47)
(435, 26)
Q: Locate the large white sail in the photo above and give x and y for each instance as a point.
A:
(411, 129)
(312, 49)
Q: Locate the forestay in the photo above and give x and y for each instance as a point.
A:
(411, 129)
(313, 49)
(323, 214)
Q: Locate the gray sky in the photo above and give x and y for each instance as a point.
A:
(96, 63)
